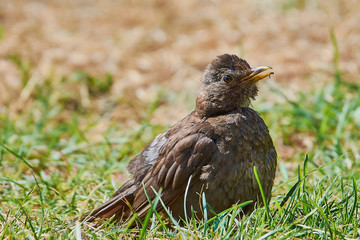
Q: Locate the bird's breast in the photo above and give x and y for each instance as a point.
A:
(243, 142)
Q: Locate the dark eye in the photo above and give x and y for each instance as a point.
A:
(228, 79)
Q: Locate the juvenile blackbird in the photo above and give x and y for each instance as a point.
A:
(218, 145)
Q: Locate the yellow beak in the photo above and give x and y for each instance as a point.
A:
(254, 76)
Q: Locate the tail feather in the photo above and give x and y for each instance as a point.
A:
(119, 206)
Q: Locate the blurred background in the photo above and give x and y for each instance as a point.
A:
(107, 66)
(85, 85)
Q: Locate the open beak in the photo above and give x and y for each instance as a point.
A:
(254, 75)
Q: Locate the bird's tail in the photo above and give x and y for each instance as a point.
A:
(113, 207)
(119, 206)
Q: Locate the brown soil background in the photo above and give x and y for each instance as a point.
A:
(153, 44)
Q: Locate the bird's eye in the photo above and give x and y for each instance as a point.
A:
(228, 79)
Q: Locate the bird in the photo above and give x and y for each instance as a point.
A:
(210, 153)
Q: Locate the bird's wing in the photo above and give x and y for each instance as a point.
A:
(166, 163)
(124, 196)
(139, 166)
(183, 154)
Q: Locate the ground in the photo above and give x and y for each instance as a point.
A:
(85, 85)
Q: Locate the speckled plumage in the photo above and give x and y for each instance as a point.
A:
(217, 144)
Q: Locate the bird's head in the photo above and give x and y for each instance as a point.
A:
(228, 83)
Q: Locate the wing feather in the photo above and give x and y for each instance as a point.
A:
(166, 163)
(185, 158)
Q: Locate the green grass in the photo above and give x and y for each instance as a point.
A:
(50, 172)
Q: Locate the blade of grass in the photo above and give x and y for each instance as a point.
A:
(21, 158)
(153, 204)
(10, 180)
(325, 218)
(42, 208)
(292, 194)
(233, 215)
(185, 197)
(172, 219)
(327, 191)
(78, 232)
(289, 194)
(204, 203)
(91, 233)
(28, 219)
(352, 211)
(269, 234)
(267, 210)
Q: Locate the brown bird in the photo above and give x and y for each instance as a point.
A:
(217, 146)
